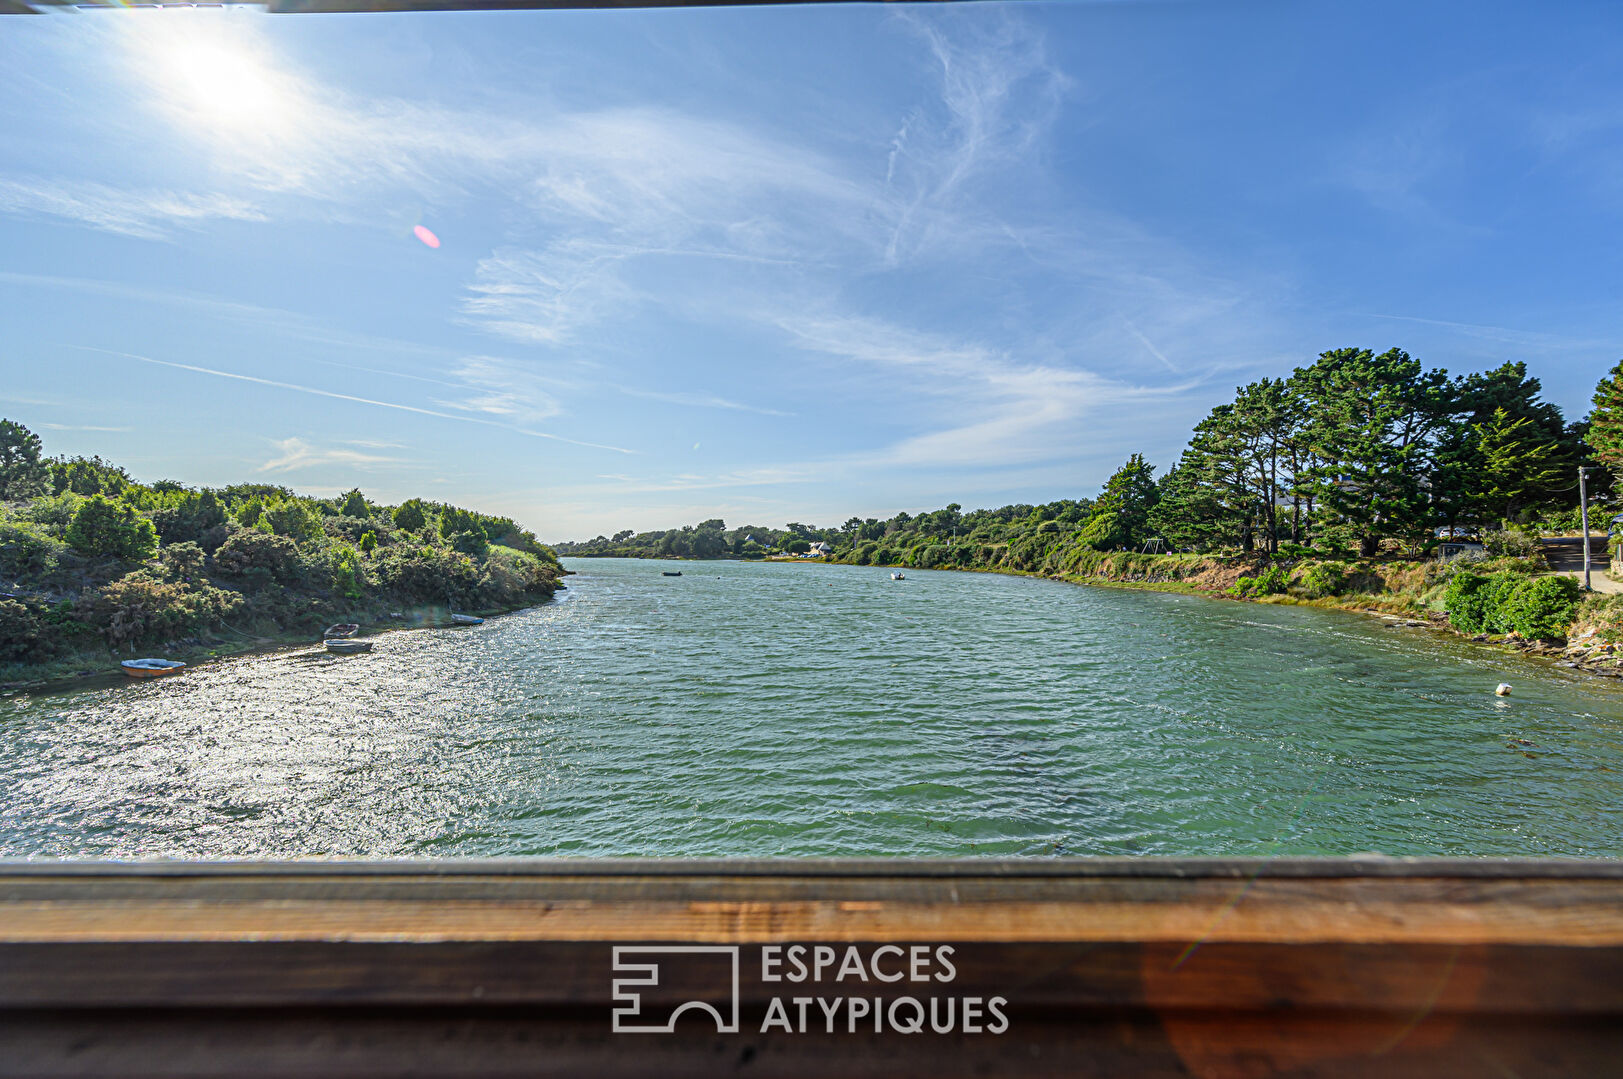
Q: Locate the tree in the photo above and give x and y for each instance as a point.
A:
(1496, 401)
(1518, 462)
(1605, 436)
(796, 545)
(105, 527)
(1121, 516)
(409, 516)
(293, 520)
(1190, 510)
(355, 505)
(88, 476)
(708, 539)
(189, 518)
(1372, 420)
(22, 473)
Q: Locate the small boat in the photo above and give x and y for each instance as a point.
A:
(467, 620)
(151, 668)
(348, 648)
(898, 576)
(342, 629)
(671, 573)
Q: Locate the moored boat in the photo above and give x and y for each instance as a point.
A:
(671, 573)
(467, 620)
(151, 668)
(347, 648)
(898, 576)
(342, 629)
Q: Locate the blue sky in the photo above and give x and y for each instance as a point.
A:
(785, 264)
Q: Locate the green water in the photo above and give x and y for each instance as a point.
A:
(750, 709)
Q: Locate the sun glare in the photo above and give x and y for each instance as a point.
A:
(215, 76)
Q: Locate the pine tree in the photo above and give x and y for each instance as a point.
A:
(1605, 436)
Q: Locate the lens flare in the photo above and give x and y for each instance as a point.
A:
(426, 236)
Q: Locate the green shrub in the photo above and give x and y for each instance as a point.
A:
(250, 549)
(104, 527)
(474, 542)
(1271, 582)
(1321, 579)
(1512, 543)
(141, 607)
(345, 567)
(1496, 600)
(54, 512)
(295, 521)
(1465, 601)
(25, 637)
(1542, 607)
(25, 552)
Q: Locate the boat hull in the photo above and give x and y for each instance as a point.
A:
(151, 672)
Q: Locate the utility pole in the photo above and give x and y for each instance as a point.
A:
(1583, 516)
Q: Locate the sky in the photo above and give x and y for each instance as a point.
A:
(778, 264)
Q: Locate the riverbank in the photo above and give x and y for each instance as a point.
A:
(90, 665)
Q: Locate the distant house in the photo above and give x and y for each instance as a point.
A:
(820, 550)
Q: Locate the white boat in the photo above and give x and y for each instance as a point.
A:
(151, 668)
(467, 620)
(346, 648)
(898, 576)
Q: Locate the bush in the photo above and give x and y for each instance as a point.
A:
(1271, 582)
(1513, 543)
(251, 549)
(104, 527)
(140, 607)
(26, 553)
(25, 637)
(54, 512)
(295, 521)
(1542, 607)
(192, 518)
(1465, 601)
(1511, 602)
(474, 542)
(1322, 579)
(409, 515)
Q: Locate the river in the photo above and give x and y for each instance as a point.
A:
(800, 709)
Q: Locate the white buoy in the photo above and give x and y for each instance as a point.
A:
(1503, 690)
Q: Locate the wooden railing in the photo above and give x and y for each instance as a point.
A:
(1103, 967)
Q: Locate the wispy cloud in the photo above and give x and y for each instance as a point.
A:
(147, 215)
(79, 427)
(294, 454)
(501, 388)
(317, 392)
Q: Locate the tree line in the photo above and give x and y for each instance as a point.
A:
(1354, 455)
(90, 558)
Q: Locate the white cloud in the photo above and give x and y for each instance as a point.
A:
(502, 389)
(145, 214)
(295, 454)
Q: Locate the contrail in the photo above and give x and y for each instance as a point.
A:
(349, 397)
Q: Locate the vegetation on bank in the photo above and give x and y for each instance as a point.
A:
(1336, 484)
(94, 563)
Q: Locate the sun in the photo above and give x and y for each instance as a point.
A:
(212, 75)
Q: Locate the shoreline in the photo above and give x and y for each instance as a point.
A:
(76, 671)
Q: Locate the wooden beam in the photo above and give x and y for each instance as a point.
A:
(1106, 967)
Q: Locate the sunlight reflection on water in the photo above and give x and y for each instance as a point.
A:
(797, 710)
